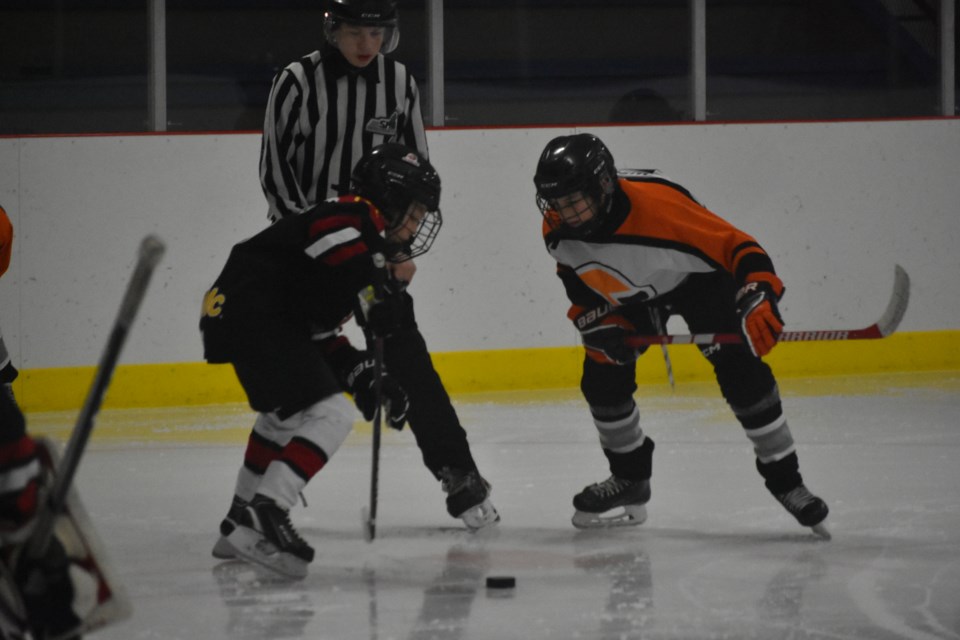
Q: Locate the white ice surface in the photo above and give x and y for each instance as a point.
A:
(717, 558)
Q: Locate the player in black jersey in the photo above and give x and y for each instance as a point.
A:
(325, 111)
(275, 312)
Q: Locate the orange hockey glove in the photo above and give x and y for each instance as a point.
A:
(760, 320)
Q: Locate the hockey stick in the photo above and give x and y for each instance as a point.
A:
(368, 514)
(658, 325)
(882, 328)
(148, 256)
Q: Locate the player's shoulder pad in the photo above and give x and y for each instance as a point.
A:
(653, 176)
(638, 174)
(346, 204)
(352, 205)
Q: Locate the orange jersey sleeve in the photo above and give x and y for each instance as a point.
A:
(663, 235)
(660, 211)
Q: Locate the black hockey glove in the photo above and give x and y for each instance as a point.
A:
(605, 340)
(360, 381)
(381, 314)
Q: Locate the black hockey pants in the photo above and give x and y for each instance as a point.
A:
(433, 420)
(706, 303)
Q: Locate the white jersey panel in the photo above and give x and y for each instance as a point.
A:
(625, 272)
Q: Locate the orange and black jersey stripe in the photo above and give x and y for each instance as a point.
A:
(656, 235)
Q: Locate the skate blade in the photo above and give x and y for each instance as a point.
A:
(223, 550)
(253, 547)
(820, 530)
(481, 516)
(631, 516)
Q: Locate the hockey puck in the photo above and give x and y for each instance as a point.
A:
(501, 582)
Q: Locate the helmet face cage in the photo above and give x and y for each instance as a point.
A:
(396, 178)
(548, 208)
(421, 240)
(571, 164)
(364, 13)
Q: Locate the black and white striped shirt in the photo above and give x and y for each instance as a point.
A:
(322, 116)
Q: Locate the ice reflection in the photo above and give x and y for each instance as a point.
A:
(259, 604)
(447, 600)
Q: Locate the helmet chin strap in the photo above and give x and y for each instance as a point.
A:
(399, 252)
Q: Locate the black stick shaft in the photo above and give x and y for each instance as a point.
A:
(377, 420)
(151, 250)
(376, 344)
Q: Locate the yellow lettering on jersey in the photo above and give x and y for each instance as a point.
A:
(213, 303)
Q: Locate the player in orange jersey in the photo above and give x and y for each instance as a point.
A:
(632, 249)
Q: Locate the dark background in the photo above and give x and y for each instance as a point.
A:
(80, 66)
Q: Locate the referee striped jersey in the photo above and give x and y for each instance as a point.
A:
(322, 116)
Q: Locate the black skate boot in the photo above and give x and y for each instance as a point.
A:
(222, 549)
(597, 499)
(808, 509)
(468, 498)
(264, 535)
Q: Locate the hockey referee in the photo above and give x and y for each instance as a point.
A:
(329, 108)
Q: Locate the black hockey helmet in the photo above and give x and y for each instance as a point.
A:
(569, 164)
(365, 13)
(393, 177)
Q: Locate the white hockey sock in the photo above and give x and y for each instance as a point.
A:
(247, 484)
(281, 484)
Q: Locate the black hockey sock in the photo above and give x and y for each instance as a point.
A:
(781, 476)
(632, 465)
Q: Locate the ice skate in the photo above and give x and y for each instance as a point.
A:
(596, 501)
(468, 498)
(222, 549)
(808, 509)
(265, 536)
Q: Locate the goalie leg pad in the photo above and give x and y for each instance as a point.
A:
(83, 572)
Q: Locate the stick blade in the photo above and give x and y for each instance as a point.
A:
(897, 306)
(152, 249)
